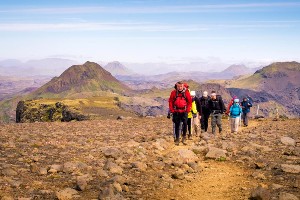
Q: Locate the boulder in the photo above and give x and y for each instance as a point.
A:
(215, 153)
(288, 141)
(260, 193)
(295, 169)
(287, 196)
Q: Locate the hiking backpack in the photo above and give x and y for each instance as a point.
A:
(180, 102)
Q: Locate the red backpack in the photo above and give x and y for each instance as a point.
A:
(180, 102)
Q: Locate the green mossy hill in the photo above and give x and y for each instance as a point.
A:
(274, 77)
(87, 78)
(278, 68)
(31, 111)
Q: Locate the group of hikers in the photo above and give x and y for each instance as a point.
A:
(186, 109)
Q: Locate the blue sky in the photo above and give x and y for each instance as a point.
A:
(158, 31)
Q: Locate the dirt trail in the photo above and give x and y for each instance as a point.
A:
(218, 180)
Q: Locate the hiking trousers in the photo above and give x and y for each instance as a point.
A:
(177, 119)
(216, 120)
(204, 121)
(234, 123)
(245, 118)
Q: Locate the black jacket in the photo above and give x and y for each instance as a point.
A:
(202, 103)
(217, 105)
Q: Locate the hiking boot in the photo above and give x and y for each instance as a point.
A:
(183, 140)
(189, 136)
(176, 141)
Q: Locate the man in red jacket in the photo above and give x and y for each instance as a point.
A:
(180, 104)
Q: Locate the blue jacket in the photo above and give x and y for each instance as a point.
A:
(235, 110)
(246, 105)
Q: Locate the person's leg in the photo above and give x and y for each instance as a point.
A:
(202, 122)
(213, 123)
(189, 125)
(246, 119)
(206, 117)
(219, 122)
(184, 118)
(232, 120)
(176, 121)
(236, 124)
(243, 118)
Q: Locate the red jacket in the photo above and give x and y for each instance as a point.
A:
(173, 98)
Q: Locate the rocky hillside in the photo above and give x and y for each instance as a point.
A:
(87, 79)
(274, 87)
(12, 85)
(136, 159)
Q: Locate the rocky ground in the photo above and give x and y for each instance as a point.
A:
(137, 159)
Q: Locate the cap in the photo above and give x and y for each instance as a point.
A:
(205, 93)
(236, 100)
(193, 93)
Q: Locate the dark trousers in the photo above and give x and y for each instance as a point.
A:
(189, 125)
(245, 118)
(177, 118)
(204, 120)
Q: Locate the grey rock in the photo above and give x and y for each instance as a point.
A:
(215, 153)
(297, 183)
(259, 175)
(82, 181)
(288, 141)
(102, 173)
(276, 186)
(199, 150)
(43, 171)
(70, 167)
(113, 168)
(111, 152)
(9, 172)
(67, 194)
(260, 193)
(187, 155)
(7, 197)
(109, 193)
(139, 166)
(178, 174)
(295, 169)
(287, 196)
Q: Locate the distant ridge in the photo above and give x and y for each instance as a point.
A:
(278, 82)
(87, 78)
(118, 69)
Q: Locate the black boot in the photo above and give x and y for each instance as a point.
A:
(183, 140)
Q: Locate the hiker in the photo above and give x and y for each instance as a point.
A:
(217, 108)
(202, 105)
(246, 105)
(192, 115)
(180, 103)
(235, 112)
(230, 104)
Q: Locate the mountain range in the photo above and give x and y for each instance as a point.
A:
(44, 67)
(270, 87)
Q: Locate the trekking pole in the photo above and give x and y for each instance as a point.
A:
(240, 120)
